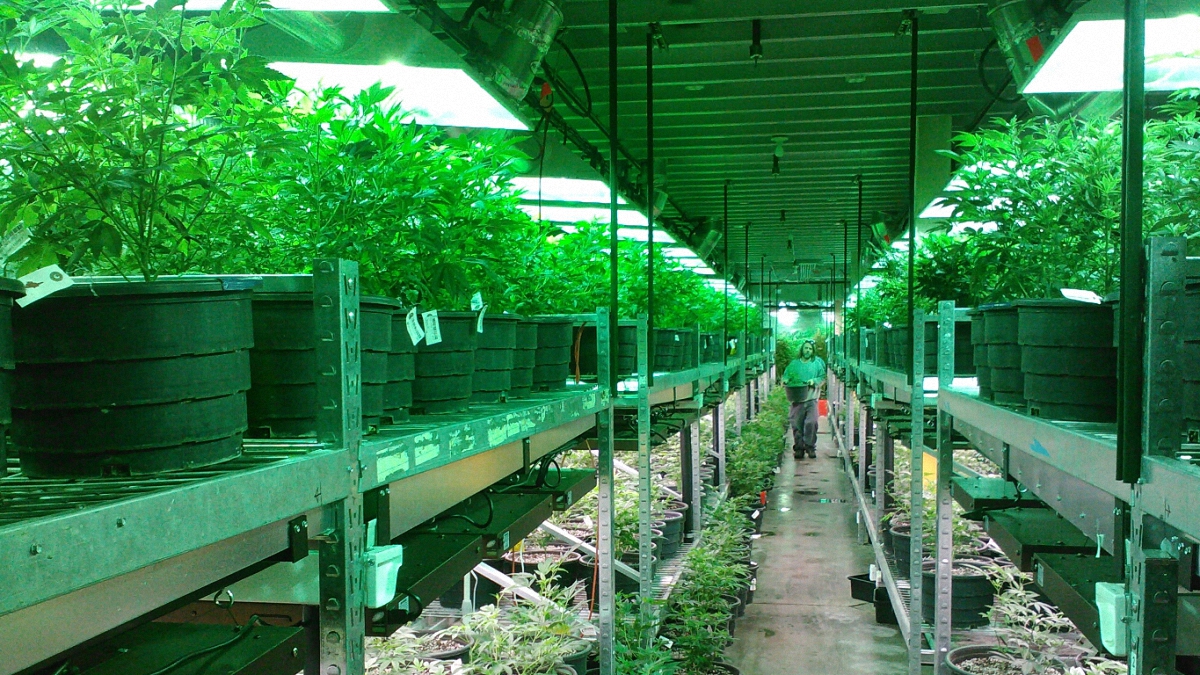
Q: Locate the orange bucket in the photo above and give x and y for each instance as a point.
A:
(823, 408)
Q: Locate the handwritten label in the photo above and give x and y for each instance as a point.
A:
(40, 283)
(433, 328)
(476, 302)
(415, 333)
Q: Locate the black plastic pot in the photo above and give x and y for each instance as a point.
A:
(672, 529)
(688, 354)
(1067, 359)
(578, 660)
(710, 347)
(524, 359)
(961, 654)
(375, 335)
(1001, 328)
(553, 360)
(971, 594)
(132, 378)
(898, 345)
(901, 549)
(10, 289)
(462, 653)
(583, 353)
(753, 582)
(445, 371)
(495, 351)
(402, 370)
(983, 371)
(282, 401)
(668, 350)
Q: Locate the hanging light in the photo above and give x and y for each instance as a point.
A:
(778, 154)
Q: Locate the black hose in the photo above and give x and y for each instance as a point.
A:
(997, 95)
(469, 15)
(587, 90)
(242, 632)
(470, 521)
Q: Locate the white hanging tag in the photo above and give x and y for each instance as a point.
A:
(43, 282)
(1081, 296)
(476, 302)
(433, 328)
(12, 242)
(414, 327)
(479, 322)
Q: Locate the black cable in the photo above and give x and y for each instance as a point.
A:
(242, 632)
(416, 600)
(469, 15)
(587, 90)
(997, 95)
(471, 521)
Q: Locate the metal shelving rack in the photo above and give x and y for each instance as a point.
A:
(1143, 533)
(91, 557)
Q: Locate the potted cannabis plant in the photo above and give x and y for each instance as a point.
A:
(127, 157)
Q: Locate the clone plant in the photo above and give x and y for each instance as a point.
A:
(130, 154)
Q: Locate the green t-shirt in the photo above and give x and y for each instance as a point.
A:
(799, 372)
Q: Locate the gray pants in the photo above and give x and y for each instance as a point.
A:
(803, 420)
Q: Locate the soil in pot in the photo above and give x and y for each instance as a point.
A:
(397, 394)
(495, 350)
(972, 594)
(445, 647)
(552, 364)
(445, 371)
(528, 561)
(668, 350)
(583, 351)
(524, 359)
(1004, 354)
(982, 660)
(132, 378)
(1067, 359)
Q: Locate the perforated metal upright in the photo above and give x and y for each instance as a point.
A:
(916, 495)
(645, 537)
(342, 585)
(604, 483)
(945, 471)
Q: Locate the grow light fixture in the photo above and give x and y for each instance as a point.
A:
(588, 214)
(364, 6)
(436, 96)
(564, 190)
(1089, 56)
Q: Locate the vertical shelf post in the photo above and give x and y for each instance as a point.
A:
(945, 502)
(692, 429)
(645, 538)
(604, 539)
(342, 626)
(916, 495)
(718, 431)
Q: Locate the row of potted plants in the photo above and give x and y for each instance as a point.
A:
(157, 149)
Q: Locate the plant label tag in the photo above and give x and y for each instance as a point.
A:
(414, 327)
(476, 302)
(479, 321)
(43, 282)
(12, 242)
(433, 328)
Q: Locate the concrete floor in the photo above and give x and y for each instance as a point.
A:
(803, 620)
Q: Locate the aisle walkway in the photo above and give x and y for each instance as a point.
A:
(803, 620)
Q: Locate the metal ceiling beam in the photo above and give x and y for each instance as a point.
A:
(673, 13)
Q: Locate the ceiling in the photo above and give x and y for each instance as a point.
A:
(834, 79)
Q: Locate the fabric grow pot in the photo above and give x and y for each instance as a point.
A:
(376, 315)
(397, 394)
(552, 364)
(688, 355)
(971, 598)
(132, 378)
(445, 371)
(668, 350)
(583, 352)
(495, 355)
(1004, 354)
(1067, 359)
(524, 359)
(710, 346)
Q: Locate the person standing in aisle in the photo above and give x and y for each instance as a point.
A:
(803, 379)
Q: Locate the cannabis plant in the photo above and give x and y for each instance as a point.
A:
(130, 153)
(1031, 631)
